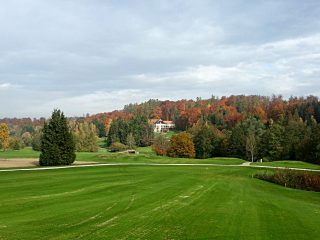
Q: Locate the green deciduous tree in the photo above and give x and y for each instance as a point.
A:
(207, 139)
(131, 142)
(272, 142)
(57, 145)
(36, 140)
(310, 147)
(240, 135)
(100, 128)
(139, 126)
(251, 145)
(294, 135)
(118, 131)
(141, 130)
(27, 138)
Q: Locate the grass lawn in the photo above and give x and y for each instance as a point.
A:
(150, 202)
(23, 153)
(289, 164)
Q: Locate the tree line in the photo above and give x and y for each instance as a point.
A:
(84, 134)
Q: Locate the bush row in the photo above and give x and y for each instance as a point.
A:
(293, 179)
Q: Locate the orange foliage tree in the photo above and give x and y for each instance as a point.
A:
(181, 146)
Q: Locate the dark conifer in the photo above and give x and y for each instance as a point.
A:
(57, 145)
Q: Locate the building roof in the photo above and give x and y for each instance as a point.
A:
(160, 121)
(168, 122)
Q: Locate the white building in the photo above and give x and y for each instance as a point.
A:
(163, 126)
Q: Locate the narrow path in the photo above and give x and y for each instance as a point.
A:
(246, 164)
(154, 164)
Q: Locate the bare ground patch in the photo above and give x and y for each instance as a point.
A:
(28, 162)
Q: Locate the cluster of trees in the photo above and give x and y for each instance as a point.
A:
(85, 136)
(56, 141)
(251, 139)
(203, 140)
(136, 131)
(295, 140)
(9, 141)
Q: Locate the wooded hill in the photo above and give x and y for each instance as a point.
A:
(282, 128)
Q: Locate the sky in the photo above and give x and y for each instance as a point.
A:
(91, 56)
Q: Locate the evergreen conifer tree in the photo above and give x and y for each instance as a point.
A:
(57, 145)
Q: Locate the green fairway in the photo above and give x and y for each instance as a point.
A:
(153, 203)
(289, 164)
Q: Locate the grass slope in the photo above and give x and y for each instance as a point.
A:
(145, 155)
(153, 203)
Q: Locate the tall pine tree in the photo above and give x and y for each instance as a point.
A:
(57, 145)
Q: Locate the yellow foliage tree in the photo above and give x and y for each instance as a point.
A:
(4, 136)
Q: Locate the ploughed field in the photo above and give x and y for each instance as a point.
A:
(153, 202)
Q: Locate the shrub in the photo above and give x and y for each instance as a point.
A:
(293, 179)
(117, 147)
(160, 145)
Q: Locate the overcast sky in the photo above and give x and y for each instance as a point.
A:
(90, 56)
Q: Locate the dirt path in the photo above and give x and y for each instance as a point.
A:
(27, 162)
(246, 164)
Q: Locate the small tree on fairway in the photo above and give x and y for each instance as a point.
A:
(131, 141)
(251, 145)
(57, 145)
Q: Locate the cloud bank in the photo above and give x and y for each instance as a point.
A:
(95, 56)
